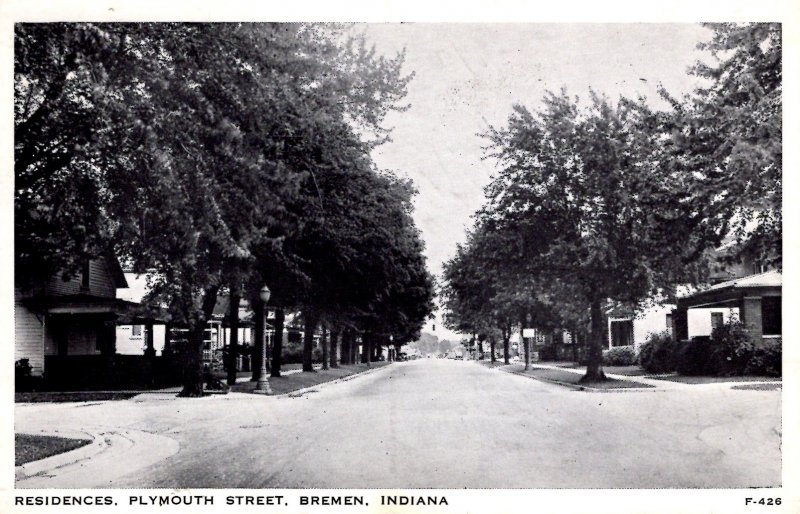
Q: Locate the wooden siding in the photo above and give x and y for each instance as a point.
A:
(28, 335)
(101, 282)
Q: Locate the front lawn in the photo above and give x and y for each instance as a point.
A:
(295, 381)
(28, 448)
(497, 364)
(78, 396)
(559, 375)
(223, 375)
(764, 386)
(629, 371)
(686, 379)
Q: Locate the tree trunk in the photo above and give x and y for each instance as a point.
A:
(277, 343)
(479, 354)
(491, 349)
(325, 347)
(193, 370)
(526, 346)
(574, 344)
(258, 340)
(308, 340)
(506, 345)
(345, 346)
(233, 345)
(368, 347)
(336, 338)
(594, 365)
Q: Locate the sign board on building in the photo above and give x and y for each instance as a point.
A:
(528, 332)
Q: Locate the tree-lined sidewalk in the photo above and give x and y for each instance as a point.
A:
(220, 158)
(601, 201)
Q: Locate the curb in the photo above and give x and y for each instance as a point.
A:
(99, 463)
(299, 392)
(41, 466)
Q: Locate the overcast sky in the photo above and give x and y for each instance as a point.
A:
(467, 76)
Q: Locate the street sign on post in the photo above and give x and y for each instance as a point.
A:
(528, 332)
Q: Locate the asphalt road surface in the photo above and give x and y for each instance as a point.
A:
(434, 424)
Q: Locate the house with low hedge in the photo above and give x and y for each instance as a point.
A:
(756, 301)
(65, 329)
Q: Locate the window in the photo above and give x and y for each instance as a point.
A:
(716, 321)
(669, 322)
(622, 332)
(136, 330)
(771, 315)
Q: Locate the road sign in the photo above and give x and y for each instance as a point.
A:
(528, 332)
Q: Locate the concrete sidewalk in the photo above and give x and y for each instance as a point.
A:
(110, 447)
(137, 440)
(656, 384)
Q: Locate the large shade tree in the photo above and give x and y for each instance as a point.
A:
(580, 193)
(726, 137)
(169, 142)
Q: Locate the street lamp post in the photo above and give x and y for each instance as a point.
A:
(262, 386)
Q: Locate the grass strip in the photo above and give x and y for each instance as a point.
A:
(295, 381)
(28, 448)
(572, 378)
(78, 396)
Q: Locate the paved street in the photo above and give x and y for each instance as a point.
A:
(427, 424)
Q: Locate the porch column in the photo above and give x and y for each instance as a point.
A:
(750, 316)
(167, 340)
(680, 322)
(108, 337)
(150, 350)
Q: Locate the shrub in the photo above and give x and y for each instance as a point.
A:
(22, 375)
(700, 356)
(766, 359)
(619, 356)
(548, 353)
(733, 348)
(659, 353)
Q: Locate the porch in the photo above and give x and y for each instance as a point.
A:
(758, 299)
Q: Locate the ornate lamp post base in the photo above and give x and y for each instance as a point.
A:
(262, 386)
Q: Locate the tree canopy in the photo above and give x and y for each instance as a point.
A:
(208, 154)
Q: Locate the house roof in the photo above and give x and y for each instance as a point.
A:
(116, 270)
(767, 279)
(223, 305)
(124, 311)
(731, 291)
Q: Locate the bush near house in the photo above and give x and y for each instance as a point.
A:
(699, 356)
(733, 347)
(22, 375)
(549, 352)
(728, 352)
(619, 356)
(658, 354)
(766, 359)
(293, 353)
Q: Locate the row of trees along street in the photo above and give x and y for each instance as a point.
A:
(596, 200)
(218, 158)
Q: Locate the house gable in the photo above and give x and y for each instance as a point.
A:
(102, 281)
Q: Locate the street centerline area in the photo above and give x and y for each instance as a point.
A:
(436, 423)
